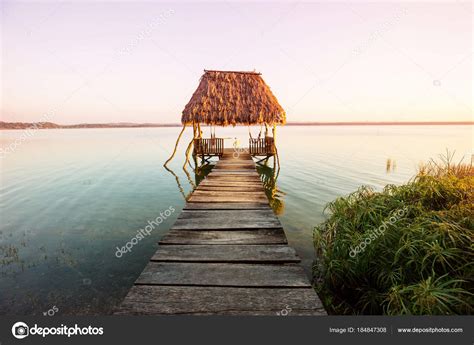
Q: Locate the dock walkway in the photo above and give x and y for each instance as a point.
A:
(226, 254)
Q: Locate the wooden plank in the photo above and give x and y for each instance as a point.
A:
(258, 189)
(227, 219)
(225, 167)
(245, 164)
(240, 172)
(223, 193)
(222, 224)
(235, 180)
(226, 253)
(236, 162)
(243, 178)
(260, 236)
(246, 179)
(234, 173)
(182, 300)
(217, 183)
(229, 197)
(232, 167)
(248, 167)
(225, 206)
(223, 274)
(234, 214)
(229, 185)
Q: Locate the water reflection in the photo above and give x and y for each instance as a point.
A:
(178, 182)
(200, 173)
(77, 194)
(269, 176)
(391, 165)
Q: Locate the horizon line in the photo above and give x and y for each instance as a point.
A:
(52, 125)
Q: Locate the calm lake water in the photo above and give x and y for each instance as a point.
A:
(68, 198)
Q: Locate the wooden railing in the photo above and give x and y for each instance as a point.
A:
(262, 146)
(209, 147)
(215, 146)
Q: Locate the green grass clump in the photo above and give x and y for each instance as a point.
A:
(422, 261)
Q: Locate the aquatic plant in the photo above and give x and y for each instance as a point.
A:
(421, 264)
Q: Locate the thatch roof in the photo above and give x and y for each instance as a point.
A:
(229, 98)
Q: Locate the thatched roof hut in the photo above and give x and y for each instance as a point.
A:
(226, 98)
(230, 98)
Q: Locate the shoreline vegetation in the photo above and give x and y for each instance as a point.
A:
(51, 125)
(421, 260)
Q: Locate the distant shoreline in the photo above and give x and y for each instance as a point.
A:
(50, 125)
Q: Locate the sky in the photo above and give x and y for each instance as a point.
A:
(105, 61)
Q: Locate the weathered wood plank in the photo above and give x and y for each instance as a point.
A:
(261, 236)
(226, 253)
(223, 274)
(217, 182)
(225, 206)
(233, 214)
(172, 300)
(245, 164)
(229, 177)
(235, 172)
(227, 219)
(231, 188)
(246, 167)
(230, 197)
(233, 179)
(217, 193)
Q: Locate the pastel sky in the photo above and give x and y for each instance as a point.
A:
(96, 62)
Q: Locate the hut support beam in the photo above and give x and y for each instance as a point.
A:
(276, 150)
(175, 146)
(188, 149)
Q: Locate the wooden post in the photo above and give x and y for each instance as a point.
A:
(274, 137)
(194, 136)
(194, 130)
(175, 146)
(196, 167)
(187, 152)
(199, 130)
(275, 148)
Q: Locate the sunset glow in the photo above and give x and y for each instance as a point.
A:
(99, 62)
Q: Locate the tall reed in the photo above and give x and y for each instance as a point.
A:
(420, 264)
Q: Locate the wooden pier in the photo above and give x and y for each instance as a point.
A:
(226, 254)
